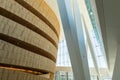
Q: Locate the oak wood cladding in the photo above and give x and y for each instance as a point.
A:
(16, 67)
(27, 46)
(27, 24)
(38, 14)
(29, 36)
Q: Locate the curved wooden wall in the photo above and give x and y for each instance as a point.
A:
(29, 35)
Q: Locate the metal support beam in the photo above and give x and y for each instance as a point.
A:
(75, 39)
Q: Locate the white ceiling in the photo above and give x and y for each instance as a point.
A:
(109, 17)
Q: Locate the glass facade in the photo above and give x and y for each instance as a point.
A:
(62, 75)
(63, 60)
(63, 55)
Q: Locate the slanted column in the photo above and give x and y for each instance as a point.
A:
(74, 39)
